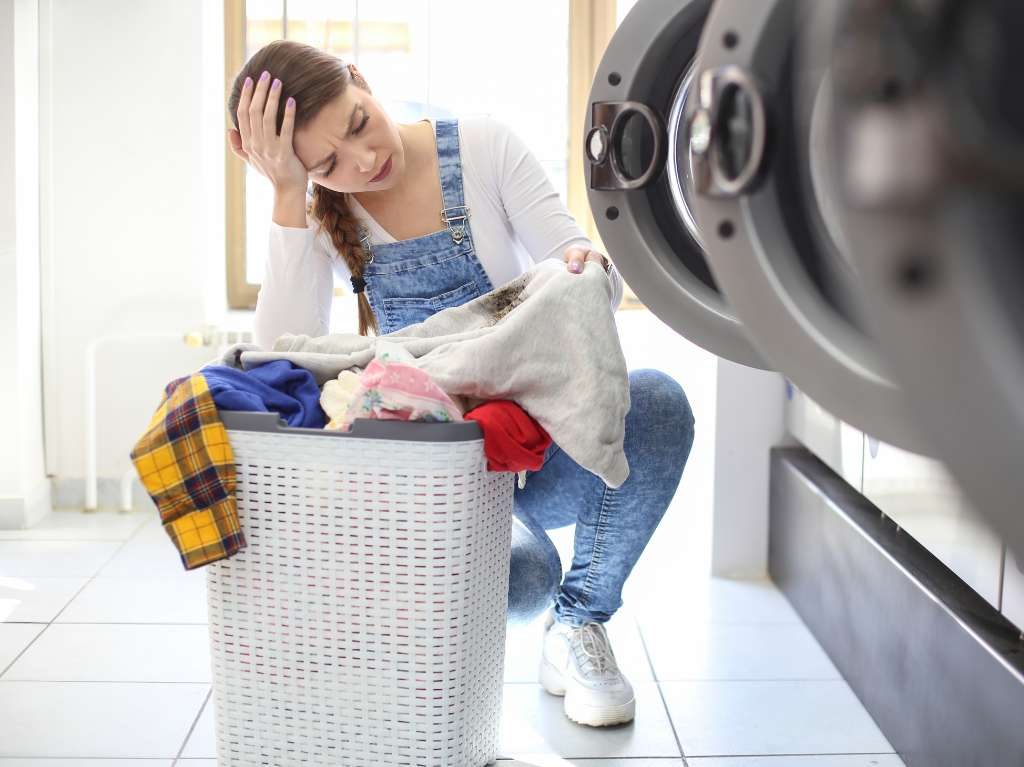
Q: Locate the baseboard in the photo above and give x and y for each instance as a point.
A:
(937, 667)
(69, 494)
(22, 512)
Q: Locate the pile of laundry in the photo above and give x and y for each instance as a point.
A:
(535, 360)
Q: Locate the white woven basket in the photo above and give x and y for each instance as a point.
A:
(364, 624)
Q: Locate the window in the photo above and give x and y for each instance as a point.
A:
(421, 57)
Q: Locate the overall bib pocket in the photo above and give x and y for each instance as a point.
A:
(407, 311)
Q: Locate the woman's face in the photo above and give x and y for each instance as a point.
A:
(351, 141)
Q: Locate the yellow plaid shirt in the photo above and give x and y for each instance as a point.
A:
(186, 465)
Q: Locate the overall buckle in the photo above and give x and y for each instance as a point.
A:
(458, 230)
(364, 240)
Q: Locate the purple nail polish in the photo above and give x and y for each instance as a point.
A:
(574, 267)
(275, 85)
(264, 77)
(290, 103)
(247, 83)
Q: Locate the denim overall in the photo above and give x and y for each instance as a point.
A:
(410, 280)
(407, 282)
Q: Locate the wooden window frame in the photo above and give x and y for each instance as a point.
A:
(241, 293)
(591, 26)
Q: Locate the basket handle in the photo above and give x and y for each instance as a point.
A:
(362, 428)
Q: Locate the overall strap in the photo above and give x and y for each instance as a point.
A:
(449, 160)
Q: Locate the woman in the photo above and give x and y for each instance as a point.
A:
(425, 216)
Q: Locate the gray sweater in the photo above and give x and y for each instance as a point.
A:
(547, 340)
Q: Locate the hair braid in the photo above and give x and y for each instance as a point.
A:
(332, 210)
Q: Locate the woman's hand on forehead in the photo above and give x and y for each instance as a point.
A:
(257, 141)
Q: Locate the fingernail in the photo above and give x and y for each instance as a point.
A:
(247, 83)
(264, 77)
(574, 267)
(275, 85)
(290, 103)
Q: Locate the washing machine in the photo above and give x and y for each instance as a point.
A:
(829, 189)
(639, 175)
(932, 155)
(703, 184)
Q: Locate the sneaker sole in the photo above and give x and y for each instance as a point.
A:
(582, 713)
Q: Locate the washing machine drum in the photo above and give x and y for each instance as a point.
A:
(722, 219)
(768, 202)
(932, 153)
(639, 180)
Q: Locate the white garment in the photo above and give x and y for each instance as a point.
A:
(516, 216)
(337, 396)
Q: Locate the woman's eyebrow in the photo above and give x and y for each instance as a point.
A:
(348, 130)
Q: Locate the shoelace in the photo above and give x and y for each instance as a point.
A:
(596, 650)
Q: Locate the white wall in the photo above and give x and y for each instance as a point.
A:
(748, 422)
(132, 132)
(9, 467)
(24, 495)
(622, 9)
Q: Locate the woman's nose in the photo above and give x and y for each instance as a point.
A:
(366, 162)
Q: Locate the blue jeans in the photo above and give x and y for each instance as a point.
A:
(408, 281)
(612, 525)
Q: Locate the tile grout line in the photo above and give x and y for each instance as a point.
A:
(745, 680)
(99, 681)
(805, 754)
(117, 623)
(668, 713)
(89, 580)
(661, 693)
(191, 729)
(49, 623)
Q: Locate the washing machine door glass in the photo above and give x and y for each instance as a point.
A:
(932, 153)
(639, 180)
(773, 237)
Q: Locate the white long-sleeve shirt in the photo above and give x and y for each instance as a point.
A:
(516, 217)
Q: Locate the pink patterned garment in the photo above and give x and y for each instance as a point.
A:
(399, 391)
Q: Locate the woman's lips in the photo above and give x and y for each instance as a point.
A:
(383, 172)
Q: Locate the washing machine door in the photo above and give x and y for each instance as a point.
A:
(932, 153)
(756, 119)
(639, 179)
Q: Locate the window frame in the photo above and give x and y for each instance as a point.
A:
(241, 293)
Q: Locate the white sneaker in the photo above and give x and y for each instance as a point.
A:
(579, 664)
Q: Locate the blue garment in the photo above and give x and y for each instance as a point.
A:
(613, 526)
(408, 281)
(276, 387)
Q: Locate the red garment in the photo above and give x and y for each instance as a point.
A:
(513, 441)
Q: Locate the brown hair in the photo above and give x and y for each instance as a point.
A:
(313, 78)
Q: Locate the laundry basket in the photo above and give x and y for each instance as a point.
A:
(364, 623)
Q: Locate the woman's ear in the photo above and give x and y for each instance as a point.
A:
(235, 140)
(357, 77)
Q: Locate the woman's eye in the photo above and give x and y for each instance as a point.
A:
(330, 168)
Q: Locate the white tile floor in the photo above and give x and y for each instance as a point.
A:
(104, 658)
(104, 662)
